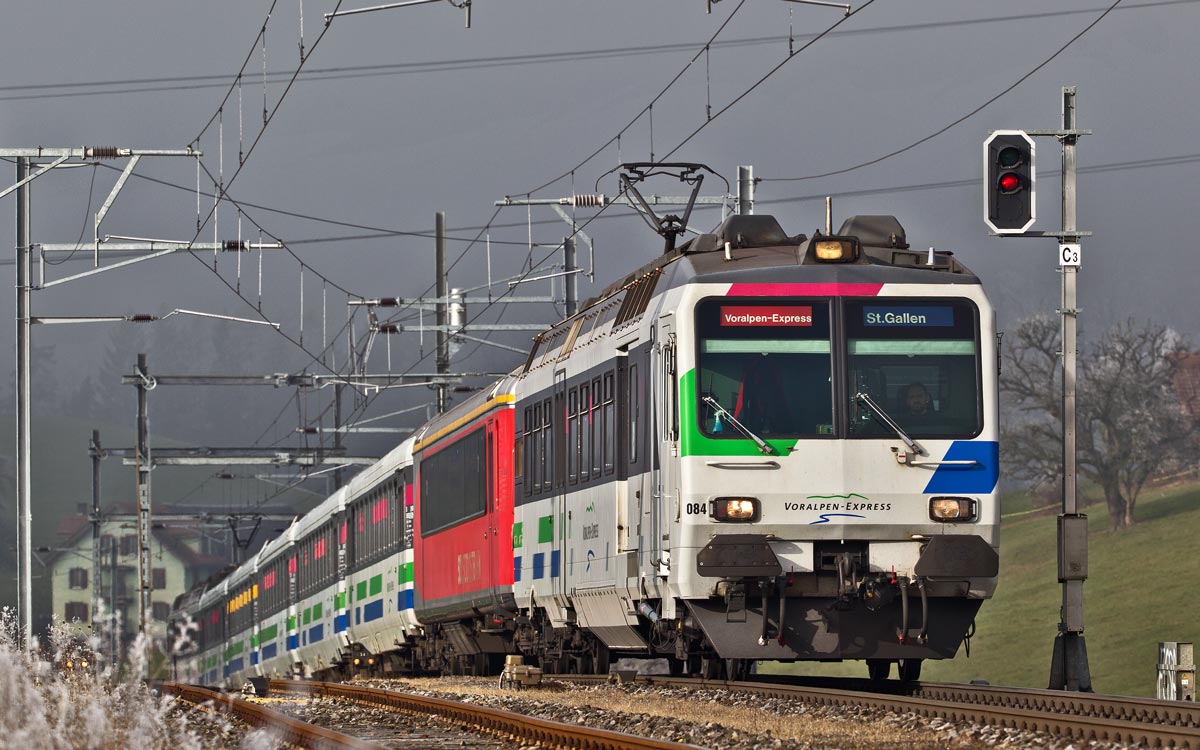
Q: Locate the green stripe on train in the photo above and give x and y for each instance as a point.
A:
(545, 529)
(693, 442)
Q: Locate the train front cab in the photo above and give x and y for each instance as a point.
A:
(463, 533)
(808, 527)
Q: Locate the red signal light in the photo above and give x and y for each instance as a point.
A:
(1010, 182)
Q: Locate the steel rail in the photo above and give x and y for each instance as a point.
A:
(504, 724)
(286, 729)
(1079, 716)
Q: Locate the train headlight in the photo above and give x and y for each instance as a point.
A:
(835, 249)
(952, 509)
(735, 509)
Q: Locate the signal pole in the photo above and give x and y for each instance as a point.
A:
(24, 465)
(1069, 665)
(1009, 210)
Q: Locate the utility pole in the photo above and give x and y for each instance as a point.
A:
(443, 338)
(571, 287)
(97, 455)
(24, 524)
(745, 190)
(143, 459)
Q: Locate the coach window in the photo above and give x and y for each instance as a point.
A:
(539, 450)
(634, 407)
(548, 437)
(454, 483)
(919, 361)
(573, 436)
(585, 432)
(767, 365)
(608, 427)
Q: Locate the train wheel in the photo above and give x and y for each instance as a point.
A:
(879, 669)
(910, 670)
(600, 658)
(712, 668)
(737, 669)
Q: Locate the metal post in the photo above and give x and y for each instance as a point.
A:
(571, 278)
(337, 430)
(115, 618)
(1069, 665)
(24, 523)
(145, 581)
(443, 343)
(745, 192)
(97, 455)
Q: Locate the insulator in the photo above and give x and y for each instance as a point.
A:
(389, 328)
(238, 245)
(592, 199)
(307, 430)
(388, 302)
(141, 318)
(102, 152)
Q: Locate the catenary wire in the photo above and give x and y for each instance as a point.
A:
(960, 120)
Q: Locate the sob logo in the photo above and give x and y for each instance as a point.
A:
(470, 567)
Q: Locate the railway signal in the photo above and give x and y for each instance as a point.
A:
(1010, 204)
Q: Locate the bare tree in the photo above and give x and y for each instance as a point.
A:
(1132, 424)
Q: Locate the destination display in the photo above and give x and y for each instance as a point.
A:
(892, 317)
(766, 315)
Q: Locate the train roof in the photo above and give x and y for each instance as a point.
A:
(500, 392)
(756, 249)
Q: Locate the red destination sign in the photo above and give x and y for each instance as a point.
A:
(766, 315)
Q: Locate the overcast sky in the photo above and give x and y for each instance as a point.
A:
(401, 113)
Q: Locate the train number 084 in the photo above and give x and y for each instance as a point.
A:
(697, 509)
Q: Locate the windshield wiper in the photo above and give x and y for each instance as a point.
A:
(887, 420)
(763, 446)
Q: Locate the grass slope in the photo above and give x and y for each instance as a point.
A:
(1139, 592)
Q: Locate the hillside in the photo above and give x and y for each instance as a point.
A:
(1138, 593)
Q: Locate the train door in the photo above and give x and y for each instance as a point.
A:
(664, 437)
(558, 455)
(491, 551)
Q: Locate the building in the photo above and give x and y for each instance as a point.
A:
(180, 556)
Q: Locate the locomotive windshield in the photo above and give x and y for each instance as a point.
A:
(768, 365)
(919, 360)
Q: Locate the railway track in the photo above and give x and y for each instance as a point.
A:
(289, 731)
(524, 730)
(1079, 716)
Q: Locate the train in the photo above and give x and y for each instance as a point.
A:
(756, 447)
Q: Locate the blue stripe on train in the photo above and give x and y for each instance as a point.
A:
(404, 600)
(341, 622)
(270, 651)
(373, 611)
(980, 478)
(237, 665)
(316, 633)
(293, 642)
(555, 557)
(517, 568)
(539, 565)
(254, 658)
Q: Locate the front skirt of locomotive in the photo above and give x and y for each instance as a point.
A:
(874, 619)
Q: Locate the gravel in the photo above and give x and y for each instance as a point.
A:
(732, 720)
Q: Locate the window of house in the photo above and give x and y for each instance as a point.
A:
(78, 578)
(160, 611)
(76, 611)
(129, 545)
(159, 578)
